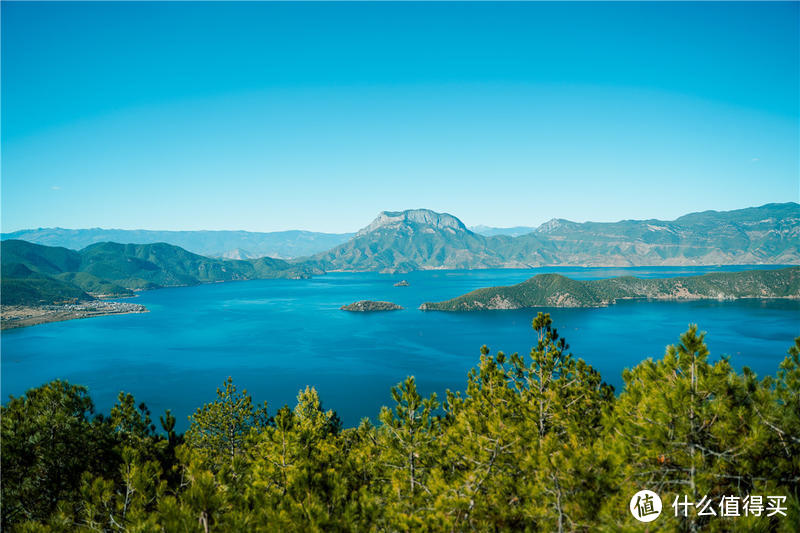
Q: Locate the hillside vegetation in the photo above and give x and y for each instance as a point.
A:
(22, 286)
(555, 290)
(534, 443)
(35, 274)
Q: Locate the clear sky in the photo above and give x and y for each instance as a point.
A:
(271, 116)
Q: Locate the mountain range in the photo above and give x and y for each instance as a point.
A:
(225, 244)
(416, 239)
(422, 239)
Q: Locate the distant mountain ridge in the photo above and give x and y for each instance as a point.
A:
(488, 231)
(227, 244)
(423, 239)
(418, 239)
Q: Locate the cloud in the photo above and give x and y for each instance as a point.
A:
(56, 188)
(755, 160)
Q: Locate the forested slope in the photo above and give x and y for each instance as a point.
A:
(34, 274)
(555, 290)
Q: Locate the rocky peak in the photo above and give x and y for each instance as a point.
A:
(552, 225)
(394, 219)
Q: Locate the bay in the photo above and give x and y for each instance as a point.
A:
(275, 337)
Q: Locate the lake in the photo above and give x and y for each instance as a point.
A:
(277, 336)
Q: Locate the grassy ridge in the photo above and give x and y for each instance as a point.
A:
(555, 290)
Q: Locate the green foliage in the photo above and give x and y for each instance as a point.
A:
(535, 442)
(44, 439)
(94, 285)
(35, 289)
(221, 431)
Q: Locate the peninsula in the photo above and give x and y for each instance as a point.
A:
(19, 316)
(554, 290)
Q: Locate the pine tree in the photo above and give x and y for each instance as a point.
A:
(482, 444)
(48, 442)
(682, 428)
(565, 399)
(221, 431)
(408, 439)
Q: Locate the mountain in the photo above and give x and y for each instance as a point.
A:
(489, 231)
(417, 239)
(554, 290)
(44, 274)
(423, 239)
(769, 234)
(411, 240)
(228, 244)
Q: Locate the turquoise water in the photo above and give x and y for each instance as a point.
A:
(276, 336)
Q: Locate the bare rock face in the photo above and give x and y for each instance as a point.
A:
(368, 306)
(500, 302)
(397, 219)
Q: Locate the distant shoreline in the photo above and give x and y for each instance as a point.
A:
(395, 272)
(20, 316)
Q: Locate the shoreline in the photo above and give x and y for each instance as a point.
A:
(392, 272)
(21, 316)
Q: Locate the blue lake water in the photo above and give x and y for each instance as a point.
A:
(277, 336)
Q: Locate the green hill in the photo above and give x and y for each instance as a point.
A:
(42, 259)
(34, 274)
(554, 290)
(22, 286)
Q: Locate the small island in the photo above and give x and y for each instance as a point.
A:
(368, 306)
(401, 283)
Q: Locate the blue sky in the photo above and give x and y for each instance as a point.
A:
(271, 116)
